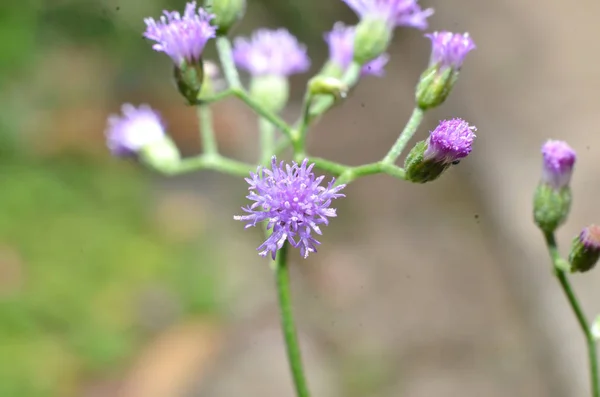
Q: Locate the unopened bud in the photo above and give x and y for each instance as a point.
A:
(552, 199)
(585, 249)
(323, 85)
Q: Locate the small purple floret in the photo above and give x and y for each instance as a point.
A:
(181, 37)
(394, 12)
(137, 128)
(452, 140)
(449, 49)
(271, 52)
(559, 159)
(590, 237)
(341, 49)
(292, 202)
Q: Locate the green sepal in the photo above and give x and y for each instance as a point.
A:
(419, 170)
(434, 86)
(582, 258)
(371, 39)
(189, 79)
(272, 92)
(551, 207)
(227, 13)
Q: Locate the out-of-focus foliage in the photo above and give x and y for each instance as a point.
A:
(86, 273)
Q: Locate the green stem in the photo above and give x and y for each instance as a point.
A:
(215, 97)
(409, 130)
(267, 140)
(287, 322)
(226, 57)
(207, 133)
(263, 112)
(213, 162)
(561, 274)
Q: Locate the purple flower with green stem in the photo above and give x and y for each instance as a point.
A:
(341, 50)
(292, 202)
(137, 128)
(271, 52)
(448, 50)
(182, 38)
(558, 162)
(394, 12)
(450, 141)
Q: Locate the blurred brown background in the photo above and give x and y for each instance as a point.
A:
(118, 282)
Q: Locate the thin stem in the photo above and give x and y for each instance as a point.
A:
(215, 97)
(213, 162)
(261, 111)
(409, 130)
(226, 57)
(329, 166)
(207, 133)
(267, 140)
(561, 275)
(287, 322)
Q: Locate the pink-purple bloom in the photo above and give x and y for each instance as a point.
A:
(341, 49)
(181, 37)
(451, 141)
(271, 53)
(448, 50)
(590, 237)
(137, 128)
(393, 12)
(558, 162)
(292, 202)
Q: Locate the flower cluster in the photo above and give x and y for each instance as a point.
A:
(394, 12)
(292, 202)
(558, 162)
(451, 141)
(138, 127)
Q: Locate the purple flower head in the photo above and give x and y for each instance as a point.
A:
(394, 12)
(341, 48)
(590, 237)
(449, 49)
(559, 159)
(137, 128)
(451, 140)
(181, 38)
(293, 203)
(271, 52)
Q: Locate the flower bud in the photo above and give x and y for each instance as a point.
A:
(227, 13)
(447, 56)
(552, 199)
(372, 38)
(323, 85)
(450, 142)
(189, 78)
(162, 155)
(585, 249)
(271, 91)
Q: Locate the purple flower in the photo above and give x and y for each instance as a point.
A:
(181, 38)
(451, 141)
(137, 128)
(293, 203)
(559, 159)
(590, 237)
(394, 12)
(271, 52)
(449, 49)
(341, 48)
